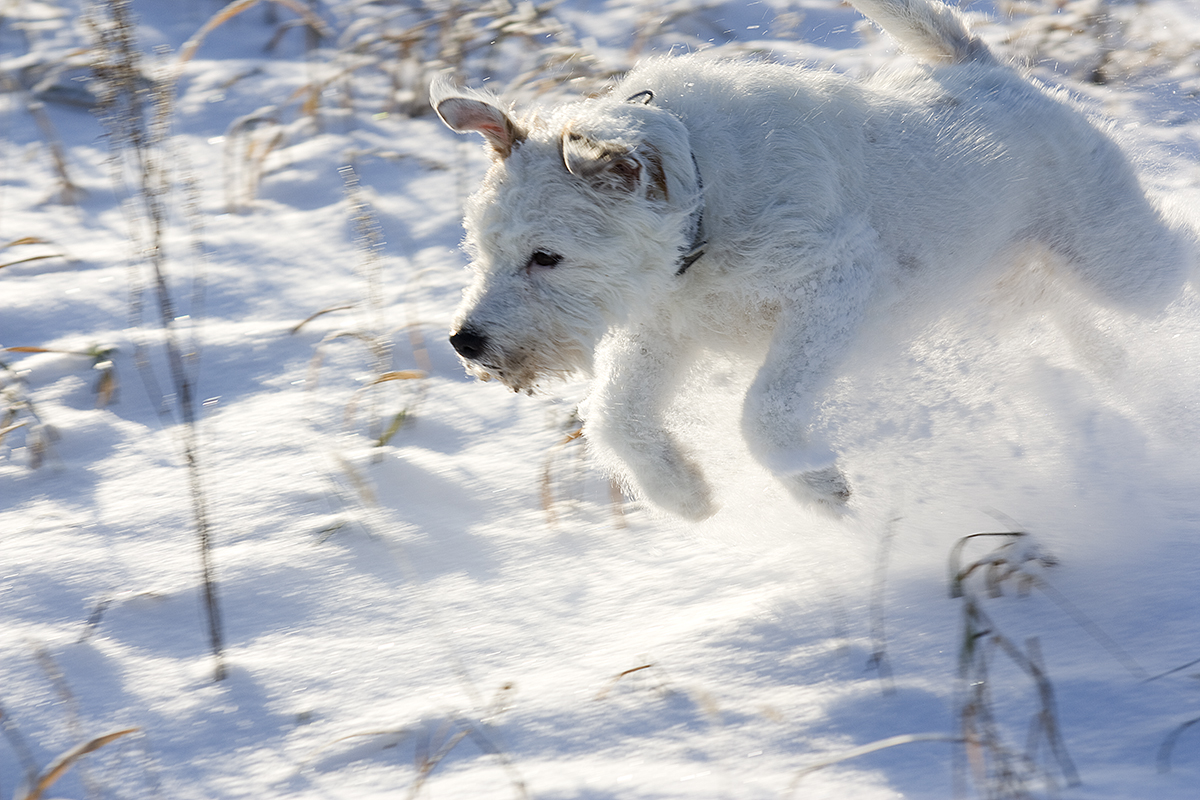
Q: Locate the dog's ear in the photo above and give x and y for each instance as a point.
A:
(610, 166)
(468, 114)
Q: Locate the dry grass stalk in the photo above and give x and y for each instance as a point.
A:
(136, 108)
(603, 693)
(371, 331)
(249, 140)
(296, 329)
(26, 241)
(69, 192)
(19, 746)
(311, 20)
(547, 487)
(67, 697)
(106, 384)
(399, 417)
(60, 765)
(29, 259)
(18, 413)
(573, 443)
(14, 398)
(434, 742)
(997, 770)
(1168, 745)
(866, 749)
(427, 762)
(408, 44)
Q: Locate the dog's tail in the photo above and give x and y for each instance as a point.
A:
(928, 29)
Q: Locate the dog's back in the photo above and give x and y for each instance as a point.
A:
(961, 167)
(1094, 218)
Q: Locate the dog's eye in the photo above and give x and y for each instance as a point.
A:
(541, 258)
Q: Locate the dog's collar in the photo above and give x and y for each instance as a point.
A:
(693, 252)
(696, 250)
(696, 227)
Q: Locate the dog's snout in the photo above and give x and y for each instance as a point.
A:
(469, 343)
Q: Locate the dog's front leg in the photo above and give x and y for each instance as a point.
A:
(637, 374)
(810, 340)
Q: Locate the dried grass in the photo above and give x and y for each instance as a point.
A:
(136, 108)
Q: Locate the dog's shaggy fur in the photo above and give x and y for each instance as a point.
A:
(705, 203)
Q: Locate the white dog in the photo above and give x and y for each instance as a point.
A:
(703, 204)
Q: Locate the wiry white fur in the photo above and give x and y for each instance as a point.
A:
(819, 195)
(931, 31)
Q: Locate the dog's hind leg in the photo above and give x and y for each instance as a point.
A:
(810, 340)
(1123, 250)
(623, 422)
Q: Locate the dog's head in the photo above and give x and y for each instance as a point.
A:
(578, 228)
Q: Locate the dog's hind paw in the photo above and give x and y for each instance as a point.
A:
(825, 488)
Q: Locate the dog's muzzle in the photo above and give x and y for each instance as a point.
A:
(485, 363)
(468, 343)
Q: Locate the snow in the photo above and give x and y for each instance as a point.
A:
(408, 618)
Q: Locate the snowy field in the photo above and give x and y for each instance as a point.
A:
(425, 588)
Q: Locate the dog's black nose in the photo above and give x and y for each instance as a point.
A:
(469, 343)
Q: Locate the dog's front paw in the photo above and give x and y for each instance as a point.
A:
(825, 488)
(678, 487)
(655, 466)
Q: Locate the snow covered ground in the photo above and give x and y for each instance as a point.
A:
(464, 612)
